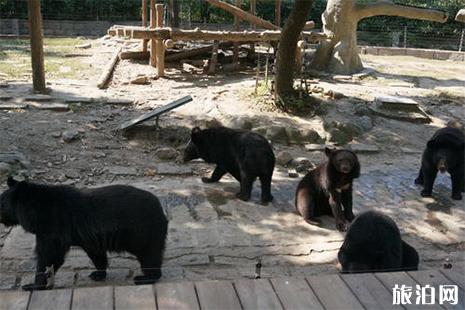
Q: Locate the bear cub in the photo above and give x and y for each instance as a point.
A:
(444, 152)
(328, 188)
(373, 243)
(243, 154)
(114, 218)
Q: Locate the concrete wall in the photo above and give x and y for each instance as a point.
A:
(416, 52)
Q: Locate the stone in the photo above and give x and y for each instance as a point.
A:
(83, 46)
(13, 106)
(122, 170)
(15, 159)
(363, 148)
(351, 129)
(166, 153)
(70, 135)
(316, 147)
(7, 281)
(64, 279)
(302, 164)
(310, 136)
(362, 109)
(292, 173)
(294, 135)
(56, 134)
(59, 107)
(141, 80)
(283, 158)
(78, 100)
(4, 96)
(366, 123)
(38, 97)
(237, 123)
(27, 279)
(5, 170)
(260, 130)
(119, 101)
(187, 260)
(277, 134)
(407, 150)
(339, 137)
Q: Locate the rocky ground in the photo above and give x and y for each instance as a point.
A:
(72, 137)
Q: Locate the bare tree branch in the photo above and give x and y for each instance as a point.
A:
(391, 9)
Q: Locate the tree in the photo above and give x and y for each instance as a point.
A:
(339, 52)
(285, 57)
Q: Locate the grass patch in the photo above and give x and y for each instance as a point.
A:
(15, 59)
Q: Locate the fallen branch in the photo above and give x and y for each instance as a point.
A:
(106, 74)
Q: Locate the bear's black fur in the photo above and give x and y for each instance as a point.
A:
(373, 243)
(444, 152)
(114, 218)
(328, 187)
(243, 154)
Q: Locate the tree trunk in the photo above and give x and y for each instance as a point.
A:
(339, 52)
(285, 57)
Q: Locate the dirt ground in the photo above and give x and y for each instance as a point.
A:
(212, 235)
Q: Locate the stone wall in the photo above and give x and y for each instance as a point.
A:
(415, 52)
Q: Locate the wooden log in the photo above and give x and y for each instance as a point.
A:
(194, 52)
(214, 59)
(37, 48)
(168, 43)
(153, 24)
(460, 16)
(137, 55)
(298, 55)
(174, 13)
(253, 7)
(243, 15)
(204, 35)
(144, 23)
(237, 26)
(277, 13)
(106, 74)
(160, 48)
(309, 25)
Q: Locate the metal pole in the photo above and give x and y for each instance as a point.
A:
(461, 40)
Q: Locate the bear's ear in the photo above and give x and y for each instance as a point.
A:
(195, 133)
(11, 182)
(328, 151)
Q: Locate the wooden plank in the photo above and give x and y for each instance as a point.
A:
(50, 300)
(435, 278)
(457, 276)
(257, 294)
(176, 296)
(333, 292)
(158, 111)
(216, 295)
(370, 291)
(93, 298)
(14, 300)
(37, 48)
(153, 24)
(134, 297)
(108, 70)
(391, 279)
(295, 294)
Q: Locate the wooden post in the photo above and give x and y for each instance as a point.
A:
(160, 47)
(405, 36)
(153, 24)
(37, 48)
(174, 13)
(237, 27)
(277, 13)
(144, 23)
(461, 40)
(253, 6)
(298, 55)
(214, 59)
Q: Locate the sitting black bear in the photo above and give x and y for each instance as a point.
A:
(328, 187)
(113, 218)
(373, 243)
(444, 152)
(243, 154)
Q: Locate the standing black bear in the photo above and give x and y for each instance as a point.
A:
(444, 152)
(328, 187)
(113, 218)
(373, 243)
(245, 155)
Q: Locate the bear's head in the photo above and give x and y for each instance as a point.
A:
(192, 150)
(8, 215)
(344, 161)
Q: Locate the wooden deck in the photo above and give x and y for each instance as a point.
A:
(360, 291)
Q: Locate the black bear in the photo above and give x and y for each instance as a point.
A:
(373, 243)
(444, 152)
(328, 187)
(114, 218)
(243, 154)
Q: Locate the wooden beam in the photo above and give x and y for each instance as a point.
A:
(253, 7)
(37, 48)
(106, 74)
(138, 55)
(153, 24)
(277, 13)
(243, 15)
(144, 23)
(214, 59)
(204, 35)
(160, 48)
(185, 54)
